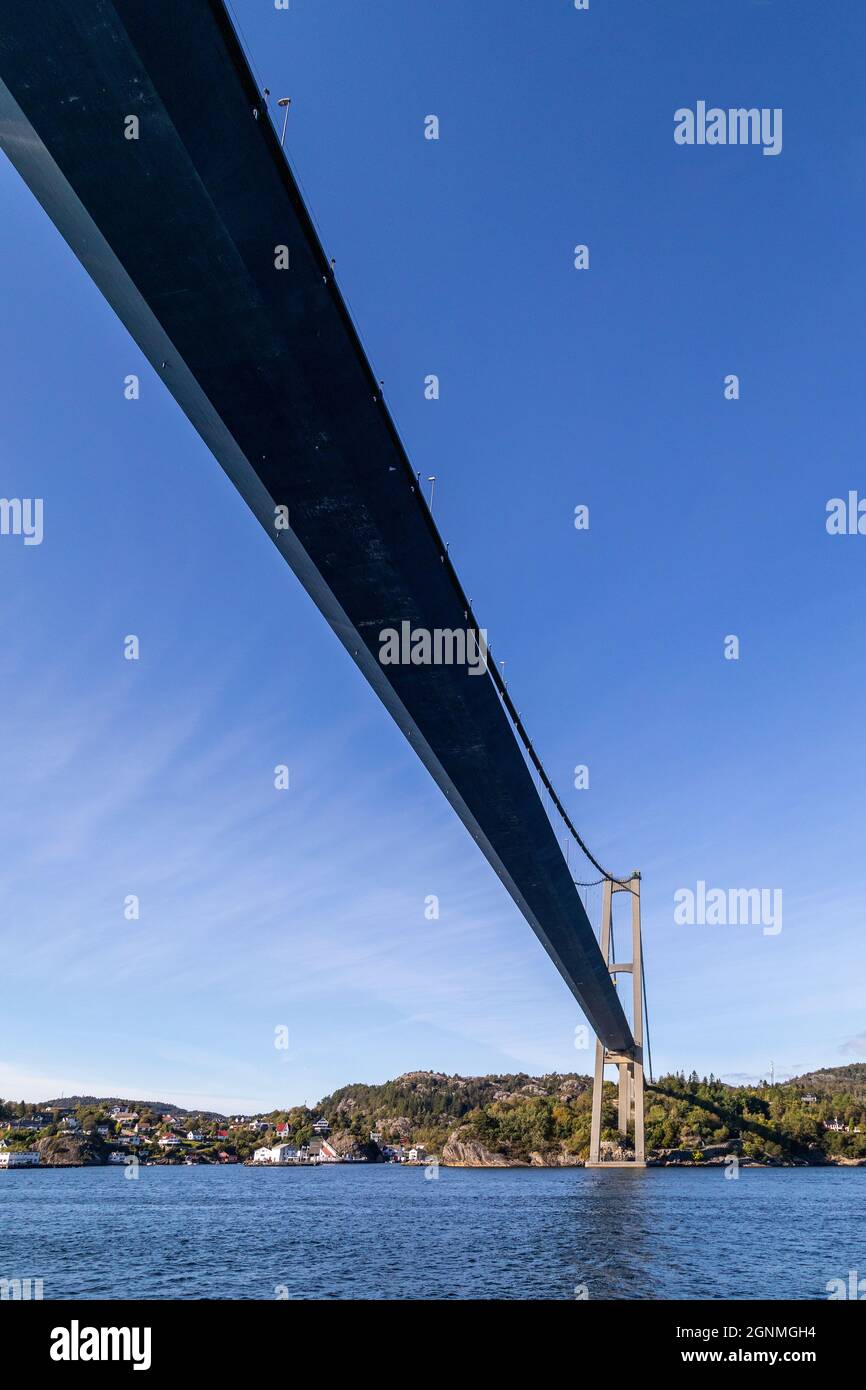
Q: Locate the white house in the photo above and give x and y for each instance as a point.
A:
(169, 1141)
(257, 1126)
(418, 1154)
(20, 1158)
(284, 1153)
(195, 1136)
(279, 1153)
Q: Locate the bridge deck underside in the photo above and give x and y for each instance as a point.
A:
(178, 229)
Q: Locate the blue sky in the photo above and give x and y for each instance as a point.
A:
(558, 387)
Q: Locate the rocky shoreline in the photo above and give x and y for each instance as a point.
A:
(462, 1151)
(492, 1161)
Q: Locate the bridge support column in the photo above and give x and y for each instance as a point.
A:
(631, 1082)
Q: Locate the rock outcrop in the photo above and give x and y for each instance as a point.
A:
(462, 1151)
(609, 1152)
(350, 1146)
(69, 1151)
(555, 1158)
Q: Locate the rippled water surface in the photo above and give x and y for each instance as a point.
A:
(386, 1232)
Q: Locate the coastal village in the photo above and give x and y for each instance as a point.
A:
(66, 1133)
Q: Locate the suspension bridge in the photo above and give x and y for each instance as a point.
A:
(141, 130)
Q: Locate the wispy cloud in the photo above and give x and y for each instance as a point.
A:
(257, 907)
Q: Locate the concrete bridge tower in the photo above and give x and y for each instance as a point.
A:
(630, 1065)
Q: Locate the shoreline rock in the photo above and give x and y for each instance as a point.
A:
(464, 1152)
(68, 1151)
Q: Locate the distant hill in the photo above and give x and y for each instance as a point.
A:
(435, 1099)
(427, 1104)
(850, 1080)
(433, 1093)
(161, 1107)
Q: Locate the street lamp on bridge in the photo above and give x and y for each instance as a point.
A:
(285, 102)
